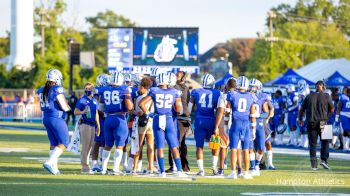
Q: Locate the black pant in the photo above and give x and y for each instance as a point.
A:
(313, 134)
(183, 155)
(68, 117)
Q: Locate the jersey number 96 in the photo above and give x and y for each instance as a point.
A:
(111, 97)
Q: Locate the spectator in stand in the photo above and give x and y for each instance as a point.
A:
(1, 100)
(72, 102)
(30, 99)
(17, 98)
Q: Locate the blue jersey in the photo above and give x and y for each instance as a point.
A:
(206, 101)
(278, 105)
(259, 100)
(134, 92)
(345, 101)
(164, 99)
(241, 102)
(92, 103)
(113, 98)
(291, 99)
(50, 106)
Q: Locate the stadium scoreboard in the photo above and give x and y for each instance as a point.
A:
(138, 50)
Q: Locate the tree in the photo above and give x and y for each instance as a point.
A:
(300, 43)
(240, 51)
(96, 38)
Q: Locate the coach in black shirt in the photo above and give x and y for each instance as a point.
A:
(318, 107)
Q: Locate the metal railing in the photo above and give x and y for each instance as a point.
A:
(20, 111)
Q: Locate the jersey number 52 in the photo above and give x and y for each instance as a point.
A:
(164, 101)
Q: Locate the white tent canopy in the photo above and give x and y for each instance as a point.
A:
(323, 68)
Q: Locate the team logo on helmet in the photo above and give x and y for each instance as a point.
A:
(54, 75)
(208, 81)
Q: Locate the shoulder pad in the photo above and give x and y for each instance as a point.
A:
(59, 89)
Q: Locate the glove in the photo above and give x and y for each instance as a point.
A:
(143, 120)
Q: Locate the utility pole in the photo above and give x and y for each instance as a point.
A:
(43, 24)
(271, 15)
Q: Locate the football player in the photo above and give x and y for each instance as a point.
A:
(261, 101)
(164, 99)
(278, 118)
(54, 106)
(102, 81)
(343, 116)
(243, 124)
(230, 86)
(292, 107)
(116, 103)
(304, 90)
(205, 99)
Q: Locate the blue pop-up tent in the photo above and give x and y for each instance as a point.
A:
(289, 77)
(222, 80)
(336, 79)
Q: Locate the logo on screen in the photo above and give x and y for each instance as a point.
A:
(166, 51)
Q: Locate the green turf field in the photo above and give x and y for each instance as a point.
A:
(21, 173)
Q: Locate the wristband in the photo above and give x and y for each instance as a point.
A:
(253, 124)
(226, 118)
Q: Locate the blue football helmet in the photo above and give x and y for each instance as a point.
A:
(172, 79)
(208, 81)
(54, 75)
(162, 79)
(117, 78)
(102, 80)
(242, 83)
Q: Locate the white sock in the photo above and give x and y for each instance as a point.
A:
(334, 139)
(94, 163)
(56, 152)
(105, 159)
(258, 156)
(139, 165)
(174, 165)
(118, 154)
(215, 161)
(269, 158)
(252, 156)
(100, 150)
(130, 163)
(54, 164)
(346, 143)
(200, 165)
(125, 159)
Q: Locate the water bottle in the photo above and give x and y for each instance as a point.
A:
(88, 114)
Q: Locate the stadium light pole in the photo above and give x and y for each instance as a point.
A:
(70, 40)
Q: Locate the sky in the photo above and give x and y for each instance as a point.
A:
(218, 20)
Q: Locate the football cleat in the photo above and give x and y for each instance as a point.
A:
(200, 173)
(90, 172)
(324, 164)
(49, 167)
(232, 175)
(256, 172)
(247, 176)
(215, 171)
(162, 175)
(221, 172)
(117, 173)
(181, 174)
(271, 167)
(96, 169)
